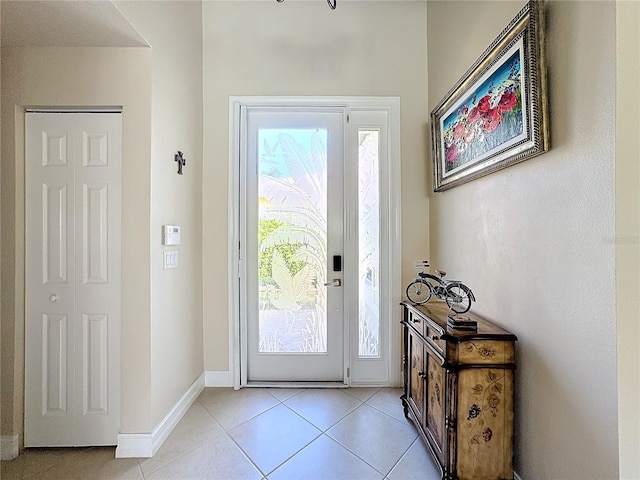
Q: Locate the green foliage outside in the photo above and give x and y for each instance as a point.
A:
(287, 250)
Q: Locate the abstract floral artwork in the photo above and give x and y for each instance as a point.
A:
(496, 114)
(490, 117)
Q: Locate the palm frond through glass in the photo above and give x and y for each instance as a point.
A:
(292, 240)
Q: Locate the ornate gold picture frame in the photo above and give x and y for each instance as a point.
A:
(496, 114)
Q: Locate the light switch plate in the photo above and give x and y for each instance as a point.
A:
(170, 259)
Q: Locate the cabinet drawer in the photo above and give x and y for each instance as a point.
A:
(486, 351)
(433, 337)
(417, 322)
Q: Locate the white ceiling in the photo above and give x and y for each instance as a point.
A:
(66, 23)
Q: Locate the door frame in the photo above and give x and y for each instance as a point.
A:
(237, 148)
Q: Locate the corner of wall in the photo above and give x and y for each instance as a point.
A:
(145, 445)
(215, 378)
(627, 235)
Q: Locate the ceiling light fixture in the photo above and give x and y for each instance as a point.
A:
(331, 3)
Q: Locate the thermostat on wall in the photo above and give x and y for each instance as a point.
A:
(171, 235)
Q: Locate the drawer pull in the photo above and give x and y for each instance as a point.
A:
(415, 320)
(434, 338)
(421, 374)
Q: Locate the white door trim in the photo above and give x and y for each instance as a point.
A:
(235, 268)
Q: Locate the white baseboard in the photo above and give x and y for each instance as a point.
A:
(516, 476)
(9, 447)
(145, 445)
(218, 378)
(135, 445)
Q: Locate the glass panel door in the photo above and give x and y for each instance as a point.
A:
(294, 230)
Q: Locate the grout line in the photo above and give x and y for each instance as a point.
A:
(246, 455)
(403, 455)
(193, 449)
(160, 467)
(294, 454)
(355, 454)
(347, 391)
(359, 457)
(244, 421)
(249, 419)
(389, 415)
(330, 426)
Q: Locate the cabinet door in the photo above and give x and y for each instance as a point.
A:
(434, 420)
(485, 423)
(415, 387)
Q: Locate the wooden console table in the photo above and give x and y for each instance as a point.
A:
(458, 391)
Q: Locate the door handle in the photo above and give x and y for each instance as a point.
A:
(336, 282)
(53, 297)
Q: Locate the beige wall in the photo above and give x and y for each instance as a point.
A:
(174, 31)
(79, 76)
(536, 241)
(304, 48)
(628, 234)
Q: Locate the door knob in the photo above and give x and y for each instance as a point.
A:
(53, 297)
(336, 282)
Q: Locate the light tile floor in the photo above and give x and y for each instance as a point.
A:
(261, 433)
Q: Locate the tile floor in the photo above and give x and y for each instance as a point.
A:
(261, 433)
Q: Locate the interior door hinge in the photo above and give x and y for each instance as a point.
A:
(347, 118)
(348, 372)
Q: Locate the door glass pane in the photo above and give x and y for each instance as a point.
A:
(292, 240)
(368, 244)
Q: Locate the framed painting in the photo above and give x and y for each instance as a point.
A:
(496, 114)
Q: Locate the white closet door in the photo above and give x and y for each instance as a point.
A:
(73, 285)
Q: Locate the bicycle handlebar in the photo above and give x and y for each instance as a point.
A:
(421, 263)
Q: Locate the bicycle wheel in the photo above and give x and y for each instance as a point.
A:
(419, 292)
(459, 297)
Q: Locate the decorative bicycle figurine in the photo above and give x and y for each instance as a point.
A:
(457, 295)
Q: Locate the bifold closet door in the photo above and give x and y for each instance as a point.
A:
(73, 284)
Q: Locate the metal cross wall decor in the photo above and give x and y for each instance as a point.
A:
(181, 161)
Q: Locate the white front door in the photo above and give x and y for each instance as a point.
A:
(72, 351)
(293, 199)
(316, 240)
